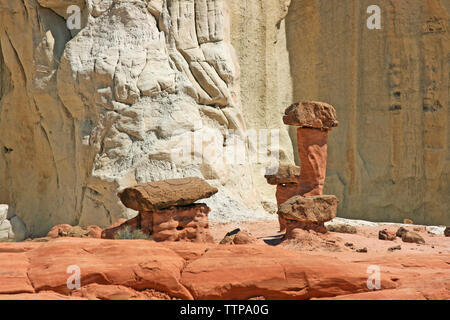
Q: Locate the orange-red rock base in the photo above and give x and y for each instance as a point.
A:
(142, 269)
(181, 223)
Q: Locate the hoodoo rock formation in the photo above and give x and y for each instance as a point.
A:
(314, 120)
(167, 210)
(299, 194)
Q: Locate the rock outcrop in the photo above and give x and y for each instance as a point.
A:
(306, 208)
(99, 106)
(171, 270)
(308, 213)
(166, 193)
(167, 211)
(311, 114)
(66, 230)
(117, 102)
(412, 237)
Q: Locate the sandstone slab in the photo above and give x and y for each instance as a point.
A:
(247, 271)
(311, 114)
(283, 174)
(166, 193)
(138, 264)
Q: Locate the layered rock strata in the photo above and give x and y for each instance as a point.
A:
(167, 211)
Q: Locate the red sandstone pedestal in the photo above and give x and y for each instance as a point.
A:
(167, 211)
(312, 150)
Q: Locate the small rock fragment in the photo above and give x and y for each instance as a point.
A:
(401, 231)
(412, 237)
(386, 235)
(408, 221)
(391, 249)
(362, 250)
(447, 232)
(244, 238)
(229, 237)
(348, 244)
(310, 209)
(342, 228)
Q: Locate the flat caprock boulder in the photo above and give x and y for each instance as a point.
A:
(310, 209)
(286, 173)
(311, 114)
(166, 193)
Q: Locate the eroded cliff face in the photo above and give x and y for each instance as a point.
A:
(258, 33)
(86, 112)
(390, 157)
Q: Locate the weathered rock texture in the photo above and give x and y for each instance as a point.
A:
(307, 213)
(313, 208)
(163, 194)
(66, 230)
(390, 87)
(200, 271)
(182, 223)
(101, 108)
(314, 120)
(311, 114)
(258, 33)
(313, 152)
(167, 211)
(390, 158)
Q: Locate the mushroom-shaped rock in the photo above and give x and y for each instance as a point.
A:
(311, 114)
(164, 194)
(167, 210)
(308, 212)
(314, 120)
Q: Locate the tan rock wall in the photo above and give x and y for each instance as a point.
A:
(85, 113)
(258, 35)
(66, 129)
(390, 157)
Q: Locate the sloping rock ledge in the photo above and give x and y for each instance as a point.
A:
(142, 269)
